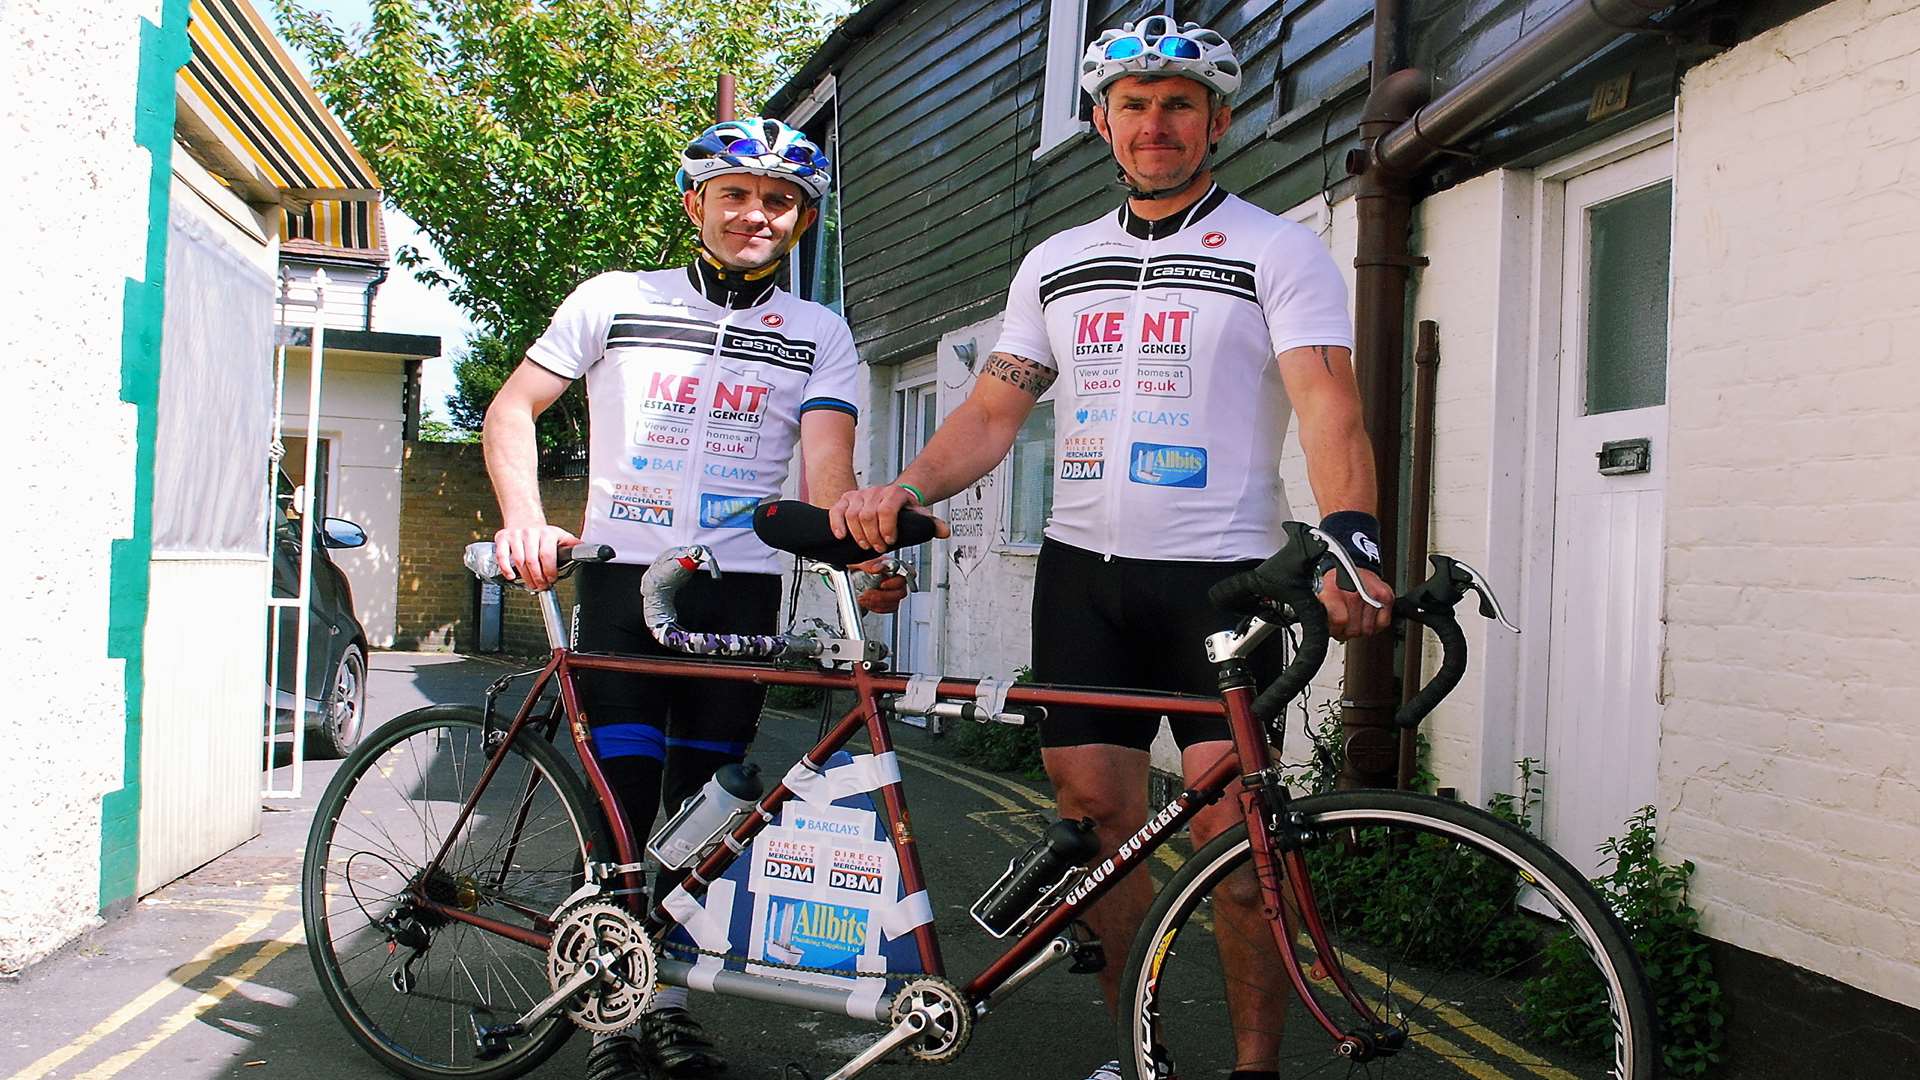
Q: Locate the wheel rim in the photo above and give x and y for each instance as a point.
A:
(345, 705)
(1429, 933)
(376, 830)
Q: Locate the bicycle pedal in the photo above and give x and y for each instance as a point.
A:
(490, 1040)
(1089, 955)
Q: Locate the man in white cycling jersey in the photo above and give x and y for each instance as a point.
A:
(701, 382)
(1186, 326)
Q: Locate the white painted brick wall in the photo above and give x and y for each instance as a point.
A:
(1790, 757)
(80, 185)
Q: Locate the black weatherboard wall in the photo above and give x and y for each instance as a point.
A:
(939, 104)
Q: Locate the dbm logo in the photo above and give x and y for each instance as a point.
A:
(858, 881)
(641, 511)
(790, 870)
(1168, 466)
(727, 511)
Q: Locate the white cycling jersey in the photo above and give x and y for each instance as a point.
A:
(694, 406)
(1169, 412)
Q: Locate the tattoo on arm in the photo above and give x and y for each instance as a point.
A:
(1020, 373)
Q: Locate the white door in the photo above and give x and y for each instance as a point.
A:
(1603, 703)
(916, 629)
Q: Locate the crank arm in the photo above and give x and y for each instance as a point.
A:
(915, 1024)
(589, 973)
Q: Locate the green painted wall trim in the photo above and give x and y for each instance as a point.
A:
(163, 51)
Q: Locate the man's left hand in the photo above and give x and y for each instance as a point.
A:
(1348, 616)
(885, 597)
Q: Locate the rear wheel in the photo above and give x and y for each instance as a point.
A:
(409, 983)
(1475, 950)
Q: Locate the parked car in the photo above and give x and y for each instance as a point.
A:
(334, 712)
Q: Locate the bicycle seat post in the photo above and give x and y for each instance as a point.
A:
(550, 614)
(846, 602)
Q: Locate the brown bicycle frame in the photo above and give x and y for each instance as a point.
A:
(1247, 759)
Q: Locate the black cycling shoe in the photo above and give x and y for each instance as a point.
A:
(678, 1045)
(617, 1057)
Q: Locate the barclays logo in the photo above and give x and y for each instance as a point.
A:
(644, 463)
(1154, 417)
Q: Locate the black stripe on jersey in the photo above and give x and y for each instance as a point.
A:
(1092, 277)
(757, 358)
(770, 348)
(1117, 263)
(1193, 286)
(655, 343)
(656, 317)
(743, 331)
(664, 331)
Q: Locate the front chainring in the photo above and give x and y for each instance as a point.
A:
(596, 928)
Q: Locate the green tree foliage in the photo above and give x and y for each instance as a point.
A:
(536, 142)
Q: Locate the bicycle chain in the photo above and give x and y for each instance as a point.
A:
(899, 976)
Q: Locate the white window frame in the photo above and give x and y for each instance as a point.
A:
(1060, 86)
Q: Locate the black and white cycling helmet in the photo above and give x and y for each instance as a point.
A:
(759, 146)
(1156, 45)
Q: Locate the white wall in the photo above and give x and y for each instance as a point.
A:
(360, 407)
(1790, 765)
(347, 307)
(79, 184)
(1791, 753)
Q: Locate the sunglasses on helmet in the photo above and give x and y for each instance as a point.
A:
(1167, 46)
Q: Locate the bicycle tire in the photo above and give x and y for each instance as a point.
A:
(371, 833)
(1491, 1007)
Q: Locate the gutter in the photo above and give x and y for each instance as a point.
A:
(1401, 132)
(852, 32)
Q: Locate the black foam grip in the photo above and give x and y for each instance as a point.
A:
(806, 530)
(586, 553)
(1453, 660)
(1307, 658)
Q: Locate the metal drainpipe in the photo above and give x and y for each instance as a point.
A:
(1426, 370)
(1400, 133)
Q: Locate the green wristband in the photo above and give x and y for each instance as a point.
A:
(911, 490)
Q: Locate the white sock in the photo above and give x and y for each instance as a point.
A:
(667, 997)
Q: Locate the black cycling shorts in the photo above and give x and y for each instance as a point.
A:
(1136, 623)
(643, 715)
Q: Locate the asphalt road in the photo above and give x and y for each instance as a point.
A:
(209, 976)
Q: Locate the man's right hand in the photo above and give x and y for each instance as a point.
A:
(530, 554)
(872, 516)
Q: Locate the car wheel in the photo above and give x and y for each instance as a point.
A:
(343, 710)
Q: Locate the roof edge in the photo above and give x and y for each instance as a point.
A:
(852, 32)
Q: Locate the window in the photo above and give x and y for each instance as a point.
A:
(1030, 478)
(1063, 107)
(1629, 243)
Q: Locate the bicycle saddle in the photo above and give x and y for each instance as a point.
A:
(805, 530)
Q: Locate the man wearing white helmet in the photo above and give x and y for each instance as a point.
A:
(1187, 325)
(701, 382)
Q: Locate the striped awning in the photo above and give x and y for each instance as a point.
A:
(244, 89)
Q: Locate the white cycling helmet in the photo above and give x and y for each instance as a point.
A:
(1157, 46)
(761, 147)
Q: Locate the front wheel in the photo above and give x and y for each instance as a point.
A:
(408, 982)
(1473, 949)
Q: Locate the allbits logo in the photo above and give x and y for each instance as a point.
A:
(727, 511)
(1159, 465)
(831, 924)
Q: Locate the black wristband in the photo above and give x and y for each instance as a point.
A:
(1359, 533)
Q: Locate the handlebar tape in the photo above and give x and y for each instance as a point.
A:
(1303, 608)
(1453, 660)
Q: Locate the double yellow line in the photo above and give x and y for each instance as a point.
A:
(261, 913)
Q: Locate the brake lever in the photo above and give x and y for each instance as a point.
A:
(1450, 582)
(1340, 556)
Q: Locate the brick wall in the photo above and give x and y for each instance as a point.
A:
(446, 504)
(1790, 753)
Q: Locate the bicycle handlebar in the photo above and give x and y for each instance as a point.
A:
(1281, 590)
(481, 559)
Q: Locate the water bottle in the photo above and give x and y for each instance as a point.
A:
(715, 808)
(1029, 878)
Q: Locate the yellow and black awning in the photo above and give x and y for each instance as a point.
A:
(242, 91)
